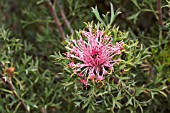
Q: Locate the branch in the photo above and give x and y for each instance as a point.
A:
(160, 22)
(8, 83)
(53, 12)
(43, 110)
(159, 12)
(67, 23)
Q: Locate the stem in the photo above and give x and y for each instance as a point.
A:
(53, 12)
(159, 12)
(11, 87)
(43, 110)
(160, 22)
(67, 23)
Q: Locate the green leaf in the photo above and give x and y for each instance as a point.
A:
(96, 13)
(136, 4)
(77, 104)
(88, 101)
(5, 90)
(113, 15)
(134, 16)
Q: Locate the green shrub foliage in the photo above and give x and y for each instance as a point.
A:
(38, 76)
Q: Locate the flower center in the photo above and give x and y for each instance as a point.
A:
(96, 59)
(94, 56)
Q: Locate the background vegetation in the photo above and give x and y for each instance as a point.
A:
(32, 30)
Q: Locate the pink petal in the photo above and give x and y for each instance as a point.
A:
(100, 78)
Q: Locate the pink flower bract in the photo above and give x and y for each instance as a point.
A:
(93, 55)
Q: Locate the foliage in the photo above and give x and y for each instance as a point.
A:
(31, 82)
(121, 90)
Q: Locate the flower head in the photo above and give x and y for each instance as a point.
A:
(95, 56)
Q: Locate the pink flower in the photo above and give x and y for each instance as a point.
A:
(93, 55)
(100, 78)
(91, 76)
(80, 74)
(71, 65)
(84, 82)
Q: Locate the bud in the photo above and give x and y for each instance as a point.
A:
(10, 71)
